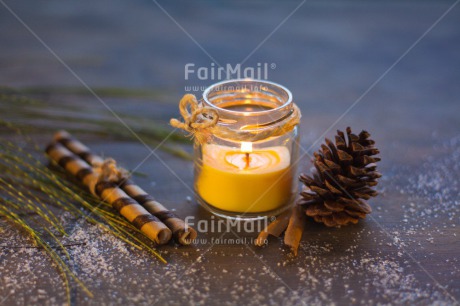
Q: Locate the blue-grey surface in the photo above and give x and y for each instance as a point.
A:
(398, 60)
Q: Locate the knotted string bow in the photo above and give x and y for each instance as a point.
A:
(109, 171)
(198, 120)
(202, 122)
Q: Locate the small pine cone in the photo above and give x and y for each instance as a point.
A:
(344, 177)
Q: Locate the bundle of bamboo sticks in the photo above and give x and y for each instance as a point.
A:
(112, 184)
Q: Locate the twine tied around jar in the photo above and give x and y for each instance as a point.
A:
(202, 122)
(198, 121)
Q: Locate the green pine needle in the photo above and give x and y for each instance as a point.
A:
(28, 192)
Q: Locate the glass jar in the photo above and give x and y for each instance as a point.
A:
(249, 172)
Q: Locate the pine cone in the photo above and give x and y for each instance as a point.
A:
(344, 177)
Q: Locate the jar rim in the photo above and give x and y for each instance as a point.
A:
(286, 104)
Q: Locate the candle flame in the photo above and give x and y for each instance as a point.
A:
(246, 147)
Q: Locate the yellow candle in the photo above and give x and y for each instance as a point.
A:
(243, 180)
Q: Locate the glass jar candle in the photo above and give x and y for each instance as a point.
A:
(246, 170)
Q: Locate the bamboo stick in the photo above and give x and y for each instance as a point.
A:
(110, 192)
(181, 232)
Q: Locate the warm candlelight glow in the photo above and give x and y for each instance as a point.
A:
(234, 179)
(246, 147)
(244, 170)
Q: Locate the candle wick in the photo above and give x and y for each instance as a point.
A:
(247, 159)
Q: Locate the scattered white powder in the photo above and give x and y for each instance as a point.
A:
(371, 267)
